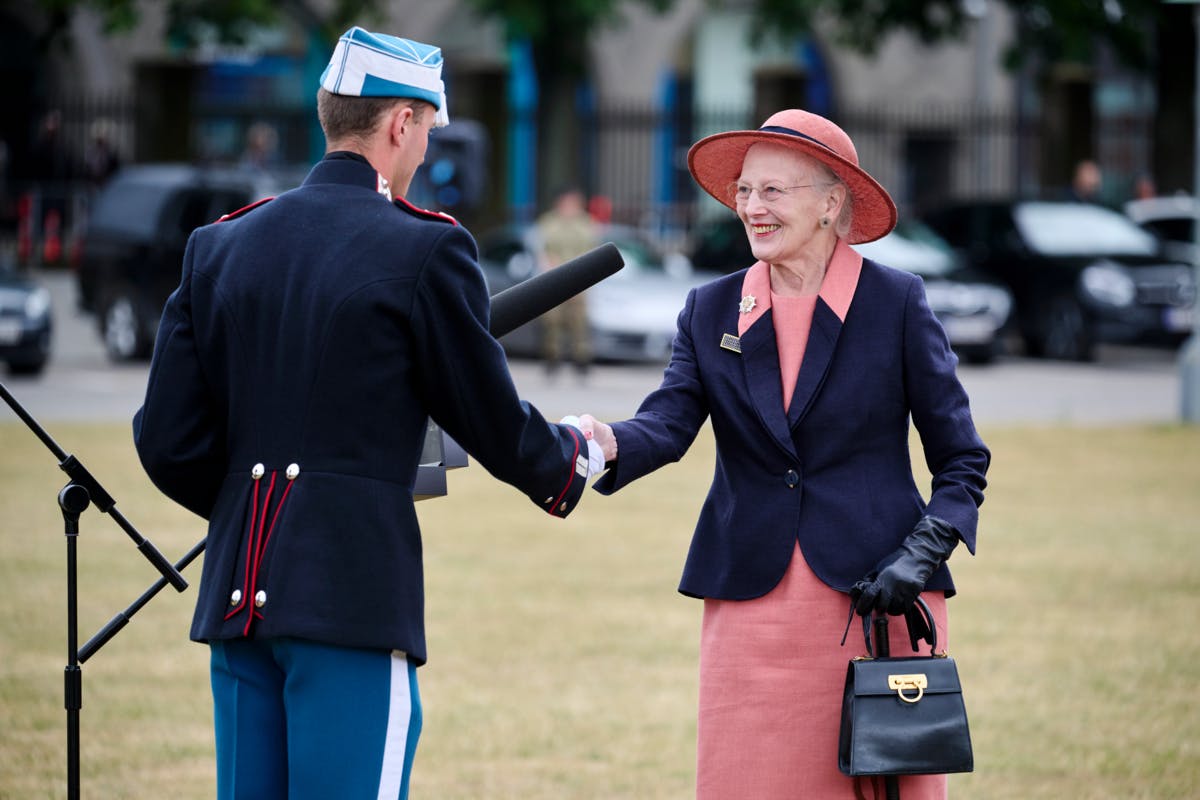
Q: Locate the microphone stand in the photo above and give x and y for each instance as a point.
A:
(81, 491)
(439, 454)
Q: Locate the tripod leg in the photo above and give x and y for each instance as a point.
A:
(73, 679)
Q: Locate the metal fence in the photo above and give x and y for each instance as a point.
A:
(633, 157)
(924, 156)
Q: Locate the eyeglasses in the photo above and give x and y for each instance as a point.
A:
(770, 193)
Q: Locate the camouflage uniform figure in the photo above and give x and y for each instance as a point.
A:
(564, 232)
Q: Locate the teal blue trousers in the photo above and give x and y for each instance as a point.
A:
(300, 720)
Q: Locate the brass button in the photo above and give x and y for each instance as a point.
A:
(258, 471)
(292, 471)
(236, 597)
(260, 599)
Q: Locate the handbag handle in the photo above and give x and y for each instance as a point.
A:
(918, 614)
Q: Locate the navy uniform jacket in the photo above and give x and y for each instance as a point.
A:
(833, 472)
(318, 332)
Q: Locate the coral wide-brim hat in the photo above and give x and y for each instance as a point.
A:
(716, 163)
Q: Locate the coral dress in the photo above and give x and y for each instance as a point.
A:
(771, 668)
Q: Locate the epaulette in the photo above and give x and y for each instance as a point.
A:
(244, 210)
(424, 213)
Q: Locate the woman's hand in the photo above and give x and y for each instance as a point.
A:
(893, 586)
(601, 433)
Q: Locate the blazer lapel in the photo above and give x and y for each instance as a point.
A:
(822, 340)
(760, 361)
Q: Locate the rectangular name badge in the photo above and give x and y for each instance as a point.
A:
(731, 342)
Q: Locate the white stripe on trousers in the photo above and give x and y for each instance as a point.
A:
(395, 746)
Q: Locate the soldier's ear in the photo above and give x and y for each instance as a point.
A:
(399, 122)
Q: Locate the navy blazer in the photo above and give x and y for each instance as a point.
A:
(319, 332)
(833, 472)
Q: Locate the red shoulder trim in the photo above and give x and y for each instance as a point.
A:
(241, 211)
(424, 212)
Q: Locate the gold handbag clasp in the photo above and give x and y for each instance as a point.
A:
(903, 683)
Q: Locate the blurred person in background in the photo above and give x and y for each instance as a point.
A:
(1144, 187)
(1086, 182)
(262, 147)
(100, 158)
(51, 168)
(49, 160)
(564, 232)
(809, 365)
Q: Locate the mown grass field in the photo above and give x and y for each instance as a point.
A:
(563, 663)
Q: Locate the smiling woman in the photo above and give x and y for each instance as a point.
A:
(809, 364)
(788, 225)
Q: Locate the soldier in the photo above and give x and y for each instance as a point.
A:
(564, 232)
(310, 339)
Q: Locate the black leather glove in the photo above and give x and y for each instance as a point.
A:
(893, 586)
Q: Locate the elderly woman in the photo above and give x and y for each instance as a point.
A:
(809, 364)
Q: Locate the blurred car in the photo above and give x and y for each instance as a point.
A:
(631, 315)
(132, 254)
(25, 323)
(1172, 219)
(974, 311)
(1079, 273)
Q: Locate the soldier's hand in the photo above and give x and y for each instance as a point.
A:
(595, 430)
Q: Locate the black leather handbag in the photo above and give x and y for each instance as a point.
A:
(903, 716)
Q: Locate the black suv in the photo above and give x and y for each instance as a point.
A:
(1080, 273)
(139, 225)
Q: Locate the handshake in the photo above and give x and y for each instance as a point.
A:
(602, 444)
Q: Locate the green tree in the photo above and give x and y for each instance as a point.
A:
(1052, 30)
(558, 33)
(1051, 34)
(231, 21)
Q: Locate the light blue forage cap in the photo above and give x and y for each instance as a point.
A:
(366, 64)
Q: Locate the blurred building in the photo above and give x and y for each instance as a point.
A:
(930, 122)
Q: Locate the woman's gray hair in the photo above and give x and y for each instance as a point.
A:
(829, 178)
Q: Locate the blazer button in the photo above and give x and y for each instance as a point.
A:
(792, 479)
(236, 597)
(260, 598)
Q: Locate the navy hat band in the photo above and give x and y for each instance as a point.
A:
(790, 132)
